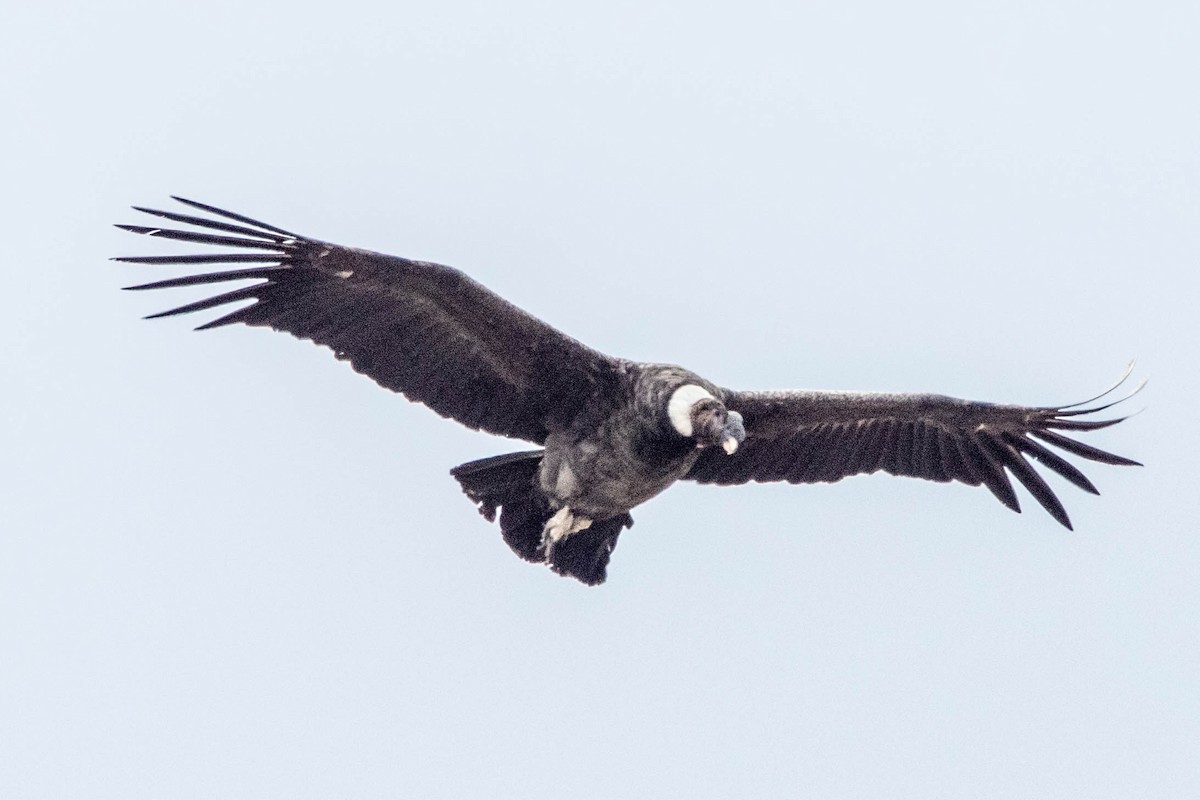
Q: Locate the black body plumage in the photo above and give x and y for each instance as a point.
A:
(614, 433)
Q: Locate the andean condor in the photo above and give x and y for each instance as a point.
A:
(613, 433)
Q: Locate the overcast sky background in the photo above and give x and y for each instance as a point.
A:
(232, 568)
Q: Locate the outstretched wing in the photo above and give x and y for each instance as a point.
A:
(812, 437)
(425, 330)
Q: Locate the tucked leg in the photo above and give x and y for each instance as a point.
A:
(561, 525)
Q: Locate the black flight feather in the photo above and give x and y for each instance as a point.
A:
(831, 435)
(422, 329)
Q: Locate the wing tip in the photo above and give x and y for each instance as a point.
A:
(1119, 382)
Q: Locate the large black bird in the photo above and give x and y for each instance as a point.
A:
(613, 433)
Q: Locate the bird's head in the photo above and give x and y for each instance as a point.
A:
(696, 414)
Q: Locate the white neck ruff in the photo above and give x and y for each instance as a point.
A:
(679, 407)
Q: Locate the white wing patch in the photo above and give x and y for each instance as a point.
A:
(679, 407)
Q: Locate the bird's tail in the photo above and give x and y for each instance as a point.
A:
(508, 483)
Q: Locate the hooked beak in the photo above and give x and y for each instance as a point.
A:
(735, 432)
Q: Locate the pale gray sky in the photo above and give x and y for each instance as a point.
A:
(232, 568)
